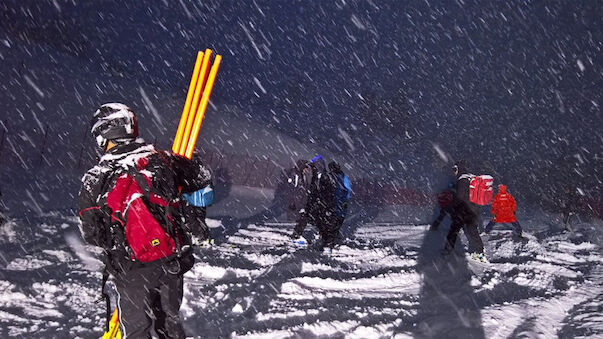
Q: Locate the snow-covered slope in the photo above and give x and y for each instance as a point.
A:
(387, 280)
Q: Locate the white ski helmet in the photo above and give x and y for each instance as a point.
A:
(114, 121)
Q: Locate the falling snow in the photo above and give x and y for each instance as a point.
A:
(394, 91)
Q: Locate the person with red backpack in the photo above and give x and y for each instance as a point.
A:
(137, 205)
(503, 210)
(464, 215)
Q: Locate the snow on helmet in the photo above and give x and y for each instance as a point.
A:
(114, 121)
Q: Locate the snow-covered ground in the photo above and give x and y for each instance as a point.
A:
(387, 280)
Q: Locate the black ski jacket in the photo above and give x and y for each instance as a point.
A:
(464, 210)
(300, 182)
(321, 196)
(96, 224)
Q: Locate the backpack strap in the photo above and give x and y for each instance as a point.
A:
(116, 234)
(467, 176)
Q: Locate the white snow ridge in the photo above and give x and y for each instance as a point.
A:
(386, 281)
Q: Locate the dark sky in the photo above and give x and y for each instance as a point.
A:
(514, 88)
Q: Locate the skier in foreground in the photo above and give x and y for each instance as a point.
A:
(464, 213)
(129, 205)
(503, 210)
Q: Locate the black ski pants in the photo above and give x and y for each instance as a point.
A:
(440, 218)
(150, 296)
(470, 228)
(301, 223)
(327, 224)
(329, 230)
(436, 223)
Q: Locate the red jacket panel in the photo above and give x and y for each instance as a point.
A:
(504, 206)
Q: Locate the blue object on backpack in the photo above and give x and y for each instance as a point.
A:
(348, 187)
(343, 192)
(201, 198)
(317, 158)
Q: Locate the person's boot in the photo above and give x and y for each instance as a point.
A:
(479, 256)
(298, 239)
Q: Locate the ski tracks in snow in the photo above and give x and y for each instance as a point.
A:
(271, 288)
(388, 281)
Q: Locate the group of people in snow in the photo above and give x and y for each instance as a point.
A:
(146, 209)
(454, 201)
(319, 196)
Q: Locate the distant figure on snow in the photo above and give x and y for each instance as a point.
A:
(326, 205)
(503, 211)
(569, 207)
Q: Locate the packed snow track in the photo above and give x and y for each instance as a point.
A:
(387, 280)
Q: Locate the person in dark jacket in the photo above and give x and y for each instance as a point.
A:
(320, 202)
(300, 184)
(149, 291)
(297, 188)
(445, 201)
(569, 206)
(464, 214)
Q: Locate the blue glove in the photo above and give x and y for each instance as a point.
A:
(201, 198)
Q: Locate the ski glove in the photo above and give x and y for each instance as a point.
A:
(201, 198)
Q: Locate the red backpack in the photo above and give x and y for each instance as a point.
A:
(147, 218)
(481, 190)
